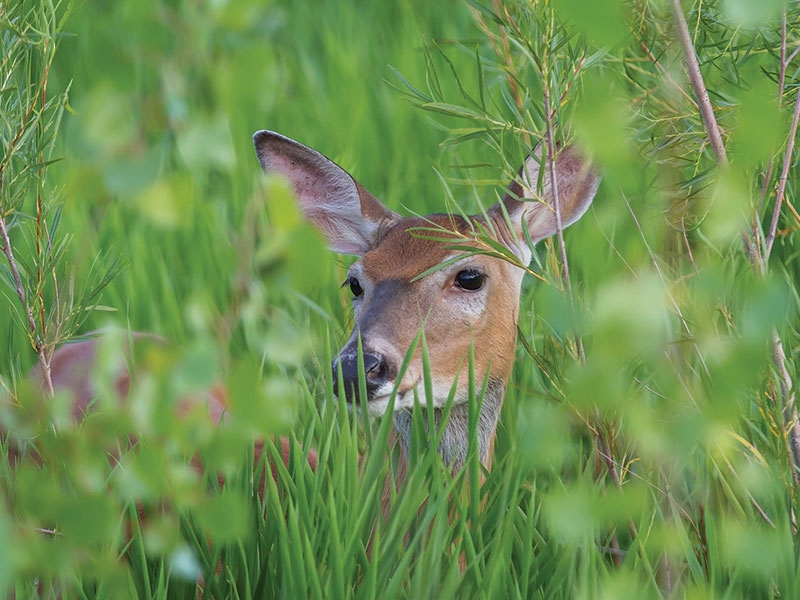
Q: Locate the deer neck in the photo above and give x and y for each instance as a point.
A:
(455, 438)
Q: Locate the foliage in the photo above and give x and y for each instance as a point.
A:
(653, 361)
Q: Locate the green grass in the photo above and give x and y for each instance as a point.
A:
(157, 171)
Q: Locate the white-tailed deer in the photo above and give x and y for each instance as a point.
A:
(472, 300)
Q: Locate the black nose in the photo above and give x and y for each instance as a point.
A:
(376, 370)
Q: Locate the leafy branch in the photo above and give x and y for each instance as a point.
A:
(30, 33)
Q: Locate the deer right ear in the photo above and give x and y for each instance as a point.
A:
(530, 201)
(348, 215)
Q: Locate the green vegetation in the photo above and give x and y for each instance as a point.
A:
(131, 188)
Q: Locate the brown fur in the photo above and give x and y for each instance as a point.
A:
(71, 369)
(406, 252)
(403, 254)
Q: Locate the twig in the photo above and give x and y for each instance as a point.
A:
(792, 55)
(615, 552)
(781, 85)
(787, 162)
(37, 342)
(696, 79)
(551, 164)
(784, 62)
(790, 415)
(706, 110)
(753, 501)
(569, 84)
(39, 213)
(21, 130)
(505, 54)
(12, 263)
(36, 339)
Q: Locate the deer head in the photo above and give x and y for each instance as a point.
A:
(472, 300)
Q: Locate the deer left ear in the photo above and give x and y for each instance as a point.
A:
(530, 201)
(348, 215)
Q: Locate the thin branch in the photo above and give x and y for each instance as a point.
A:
(12, 263)
(551, 167)
(781, 83)
(40, 185)
(21, 130)
(784, 62)
(569, 84)
(792, 55)
(696, 79)
(36, 340)
(790, 415)
(611, 465)
(787, 162)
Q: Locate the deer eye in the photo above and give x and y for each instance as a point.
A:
(470, 280)
(355, 286)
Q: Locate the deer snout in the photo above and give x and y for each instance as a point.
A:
(377, 370)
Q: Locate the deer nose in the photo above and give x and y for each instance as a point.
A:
(376, 371)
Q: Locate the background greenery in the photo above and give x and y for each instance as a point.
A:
(158, 172)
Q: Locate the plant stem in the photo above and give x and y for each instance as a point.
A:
(35, 339)
(696, 79)
(790, 415)
(787, 162)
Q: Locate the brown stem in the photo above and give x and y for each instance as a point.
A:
(569, 84)
(790, 415)
(37, 342)
(787, 162)
(781, 84)
(611, 465)
(9, 252)
(784, 62)
(39, 215)
(551, 164)
(22, 126)
(696, 79)
(765, 187)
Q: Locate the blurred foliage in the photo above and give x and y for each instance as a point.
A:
(156, 167)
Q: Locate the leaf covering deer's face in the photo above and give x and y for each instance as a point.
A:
(472, 299)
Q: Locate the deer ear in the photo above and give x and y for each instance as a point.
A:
(347, 214)
(530, 202)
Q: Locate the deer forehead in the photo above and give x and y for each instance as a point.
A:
(405, 250)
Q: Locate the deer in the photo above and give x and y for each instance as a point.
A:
(471, 302)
